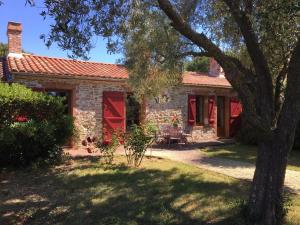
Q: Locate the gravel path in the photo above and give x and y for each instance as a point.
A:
(236, 169)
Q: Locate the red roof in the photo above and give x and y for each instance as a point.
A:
(203, 79)
(40, 65)
(4, 73)
(56, 66)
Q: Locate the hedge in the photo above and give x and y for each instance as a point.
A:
(33, 126)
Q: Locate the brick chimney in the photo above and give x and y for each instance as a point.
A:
(215, 69)
(14, 35)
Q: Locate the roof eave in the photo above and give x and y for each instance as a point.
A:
(207, 85)
(69, 76)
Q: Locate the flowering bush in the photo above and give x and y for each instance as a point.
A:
(90, 144)
(175, 120)
(108, 149)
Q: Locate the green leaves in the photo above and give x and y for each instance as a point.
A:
(137, 141)
(3, 48)
(37, 137)
(198, 64)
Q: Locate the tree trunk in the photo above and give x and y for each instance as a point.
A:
(266, 196)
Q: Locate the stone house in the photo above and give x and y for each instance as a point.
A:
(98, 96)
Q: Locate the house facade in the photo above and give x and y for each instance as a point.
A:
(98, 96)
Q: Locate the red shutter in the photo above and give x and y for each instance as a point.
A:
(191, 109)
(235, 117)
(113, 114)
(211, 110)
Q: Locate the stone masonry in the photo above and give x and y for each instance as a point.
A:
(175, 103)
(86, 100)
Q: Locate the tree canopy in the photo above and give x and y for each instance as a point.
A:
(133, 25)
(198, 64)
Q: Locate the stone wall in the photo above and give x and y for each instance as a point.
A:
(175, 103)
(86, 104)
(86, 100)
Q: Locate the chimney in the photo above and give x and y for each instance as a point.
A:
(215, 69)
(14, 35)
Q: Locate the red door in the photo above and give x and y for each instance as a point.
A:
(211, 110)
(113, 114)
(191, 110)
(235, 116)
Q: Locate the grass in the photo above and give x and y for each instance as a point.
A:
(247, 153)
(82, 191)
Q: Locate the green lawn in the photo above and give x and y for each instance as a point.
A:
(160, 192)
(247, 153)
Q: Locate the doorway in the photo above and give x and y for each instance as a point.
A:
(132, 111)
(221, 116)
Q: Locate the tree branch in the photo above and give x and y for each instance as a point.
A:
(251, 40)
(279, 89)
(234, 70)
(290, 112)
(195, 54)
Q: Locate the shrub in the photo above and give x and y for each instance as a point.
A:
(33, 127)
(137, 141)
(108, 149)
(249, 135)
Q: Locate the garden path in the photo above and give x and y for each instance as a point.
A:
(232, 168)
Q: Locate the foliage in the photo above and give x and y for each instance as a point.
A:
(175, 120)
(108, 149)
(3, 49)
(249, 135)
(33, 127)
(137, 141)
(198, 64)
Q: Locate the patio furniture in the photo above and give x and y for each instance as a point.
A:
(170, 134)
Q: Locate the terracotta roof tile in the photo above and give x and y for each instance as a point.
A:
(4, 73)
(203, 79)
(57, 66)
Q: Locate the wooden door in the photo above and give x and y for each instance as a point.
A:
(221, 116)
(211, 110)
(235, 116)
(113, 114)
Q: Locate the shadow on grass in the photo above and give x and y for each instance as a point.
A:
(247, 153)
(85, 193)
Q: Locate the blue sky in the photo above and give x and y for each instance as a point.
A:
(34, 25)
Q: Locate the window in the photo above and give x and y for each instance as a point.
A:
(67, 98)
(199, 110)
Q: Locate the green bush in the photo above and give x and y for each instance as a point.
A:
(41, 134)
(137, 141)
(108, 149)
(248, 135)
